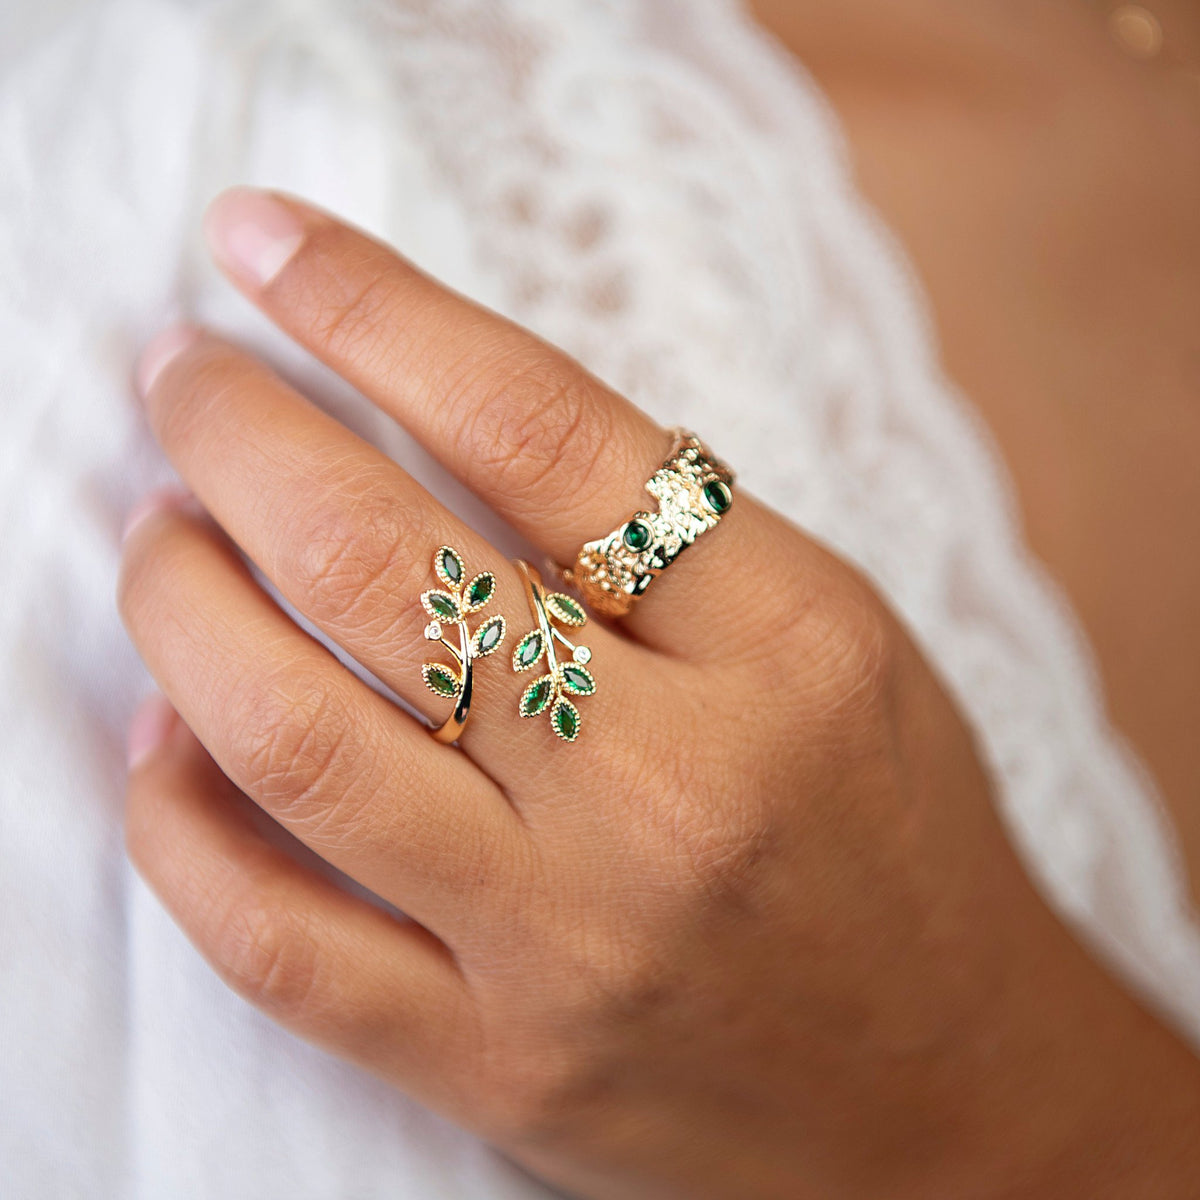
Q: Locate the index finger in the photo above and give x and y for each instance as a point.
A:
(562, 456)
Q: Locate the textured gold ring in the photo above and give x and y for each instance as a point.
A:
(694, 491)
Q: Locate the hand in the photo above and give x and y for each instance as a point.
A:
(757, 932)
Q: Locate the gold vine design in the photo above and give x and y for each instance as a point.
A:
(550, 690)
(453, 605)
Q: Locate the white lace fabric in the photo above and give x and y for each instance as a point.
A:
(653, 185)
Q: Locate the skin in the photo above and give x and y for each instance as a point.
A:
(1046, 186)
(738, 940)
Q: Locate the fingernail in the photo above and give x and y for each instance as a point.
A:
(152, 722)
(252, 234)
(152, 502)
(159, 351)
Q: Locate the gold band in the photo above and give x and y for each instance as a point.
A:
(693, 490)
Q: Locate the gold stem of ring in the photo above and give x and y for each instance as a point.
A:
(535, 592)
(449, 730)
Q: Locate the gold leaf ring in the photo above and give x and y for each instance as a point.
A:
(452, 605)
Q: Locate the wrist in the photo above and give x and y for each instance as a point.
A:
(1078, 1091)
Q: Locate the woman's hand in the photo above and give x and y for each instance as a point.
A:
(756, 933)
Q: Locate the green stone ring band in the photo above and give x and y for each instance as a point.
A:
(694, 491)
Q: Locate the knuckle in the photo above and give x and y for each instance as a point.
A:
(850, 644)
(268, 954)
(718, 831)
(536, 1097)
(542, 425)
(351, 320)
(547, 1084)
(354, 559)
(181, 413)
(548, 1078)
(728, 852)
(295, 749)
(724, 840)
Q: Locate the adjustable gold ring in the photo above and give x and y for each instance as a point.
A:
(694, 491)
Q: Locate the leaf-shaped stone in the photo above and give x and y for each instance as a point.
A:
(488, 637)
(578, 679)
(529, 650)
(536, 696)
(565, 609)
(440, 604)
(448, 564)
(564, 716)
(479, 591)
(440, 680)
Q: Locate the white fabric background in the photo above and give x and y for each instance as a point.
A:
(652, 184)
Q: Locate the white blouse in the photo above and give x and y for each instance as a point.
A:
(654, 185)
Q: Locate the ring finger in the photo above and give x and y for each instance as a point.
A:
(333, 761)
(349, 538)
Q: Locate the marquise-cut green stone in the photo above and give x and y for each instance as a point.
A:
(530, 649)
(718, 496)
(578, 680)
(565, 609)
(480, 591)
(565, 719)
(490, 639)
(441, 681)
(452, 566)
(636, 535)
(536, 696)
(443, 606)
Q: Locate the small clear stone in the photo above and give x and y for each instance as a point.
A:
(433, 631)
(582, 654)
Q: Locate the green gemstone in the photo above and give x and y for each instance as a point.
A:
(441, 681)
(636, 535)
(536, 696)
(452, 567)
(565, 609)
(578, 680)
(529, 650)
(480, 591)
(443, 606)
(717, 496)
(565, 719)
(490, 635)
